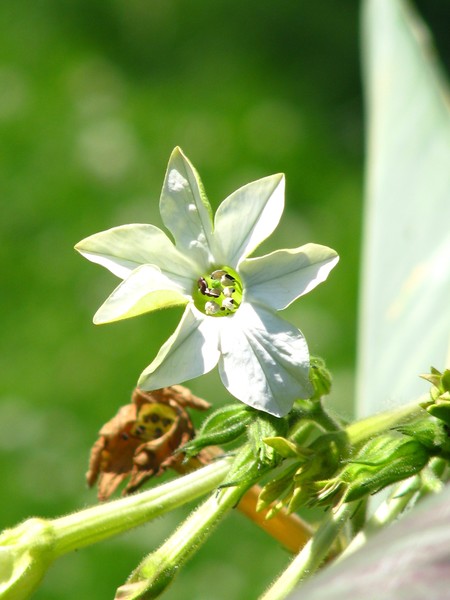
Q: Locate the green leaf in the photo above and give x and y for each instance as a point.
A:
(405, 321)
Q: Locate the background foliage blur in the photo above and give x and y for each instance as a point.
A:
(93, 97)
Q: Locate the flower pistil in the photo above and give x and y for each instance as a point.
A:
(219, 293)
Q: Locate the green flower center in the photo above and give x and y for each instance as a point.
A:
(218, 294)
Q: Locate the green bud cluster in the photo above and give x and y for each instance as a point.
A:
(229, 423)
(324, 468)
(439, 403)
(292, 483)
(314, 460)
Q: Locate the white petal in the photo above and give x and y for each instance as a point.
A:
(185, 209)
(265, 360)
(277, 279)
(145, 290)
(191, 351)
(123, 249)
(246, 218)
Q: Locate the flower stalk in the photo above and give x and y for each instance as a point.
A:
(313, 554)
(364, 429)
(159, 568)
(27, 550)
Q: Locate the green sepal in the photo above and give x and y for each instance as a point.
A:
(429, 431)
(245, 469)
(445, 380)
(381, 462)
(265, 426)
(440, 383)
(279, 489)
(439, 404)
(285, 448)
(408, 460)
(441, 411)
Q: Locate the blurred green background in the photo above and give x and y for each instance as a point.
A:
(93, 97)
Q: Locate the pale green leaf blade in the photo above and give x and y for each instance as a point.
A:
(404, 316)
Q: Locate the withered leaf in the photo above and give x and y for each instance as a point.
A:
(140, 441)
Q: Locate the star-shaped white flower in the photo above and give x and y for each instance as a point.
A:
(231, 301)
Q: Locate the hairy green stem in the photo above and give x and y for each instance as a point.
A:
(312, 555)
(158, 569)
(363, 430)
(387, 512)
(324, 418)
(27, 550)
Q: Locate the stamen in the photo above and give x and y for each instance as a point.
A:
(227, 279)
(202, 285)
(228, 303)
(228, 291)
(212, 293)
(211, 308)
(218, 274)
(218, 293)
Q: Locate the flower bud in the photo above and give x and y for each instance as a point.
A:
(320, 377)
(428, 431)
(383, 461)
(221, 427)
(439, 403)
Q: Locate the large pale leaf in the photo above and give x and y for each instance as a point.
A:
(409, 560)
(404, 316)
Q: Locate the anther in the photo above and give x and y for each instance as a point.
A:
(227, 279)
(228, 291)
(218, 274)
(212, 293)
(202, 285)
(211, 308)
(228, 303)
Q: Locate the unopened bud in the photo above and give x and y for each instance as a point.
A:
(383, 461)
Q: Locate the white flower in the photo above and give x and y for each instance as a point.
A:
(231, 301)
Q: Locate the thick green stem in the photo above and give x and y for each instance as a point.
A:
(325, 419)
(106, 520)
(312, 555)
(387, 512)
(363, 430)
(28, 549)
(158, 569)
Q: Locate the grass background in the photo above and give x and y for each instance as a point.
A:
(93, 97)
